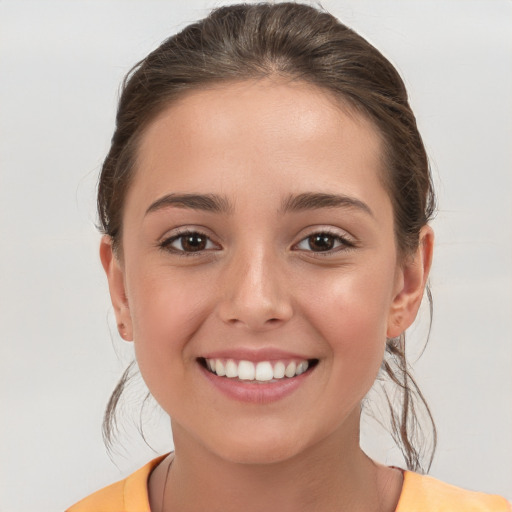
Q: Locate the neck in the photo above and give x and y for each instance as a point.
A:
(334, 474)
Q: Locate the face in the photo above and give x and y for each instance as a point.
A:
(258, 242)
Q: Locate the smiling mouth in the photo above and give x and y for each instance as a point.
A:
(262, 371)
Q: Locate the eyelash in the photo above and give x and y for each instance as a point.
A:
(166, 244)
(344, 243)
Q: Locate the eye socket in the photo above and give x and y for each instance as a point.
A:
(188, 243)
(324, 241)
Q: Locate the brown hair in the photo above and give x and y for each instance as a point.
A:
(296, 41)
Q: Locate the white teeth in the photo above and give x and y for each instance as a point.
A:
(301, 368)
(219, 368)
(246, 370)
(263, 371)
(290, 370)
(279, 369)
(231, 369)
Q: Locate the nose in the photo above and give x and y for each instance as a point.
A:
(254, 292)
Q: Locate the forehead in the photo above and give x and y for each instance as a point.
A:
(242, 108)
(284, 133)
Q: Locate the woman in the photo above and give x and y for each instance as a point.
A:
(265, 204)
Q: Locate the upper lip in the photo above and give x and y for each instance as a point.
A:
(254, 355)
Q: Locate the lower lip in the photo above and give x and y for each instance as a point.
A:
(256, 392)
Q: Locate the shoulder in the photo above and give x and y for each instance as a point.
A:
(422, 493)
(127, 495)
(108, 499)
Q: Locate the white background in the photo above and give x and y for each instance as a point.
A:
(60, 66)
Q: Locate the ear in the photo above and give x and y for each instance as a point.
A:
(116, 284)
(410, 284)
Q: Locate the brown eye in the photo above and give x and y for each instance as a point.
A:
(324, 242)
(187, 243)
(321, 242)
(193, 242)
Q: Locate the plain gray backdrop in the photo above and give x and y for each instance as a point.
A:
(60, 66)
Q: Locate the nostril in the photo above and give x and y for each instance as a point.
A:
(253, 312)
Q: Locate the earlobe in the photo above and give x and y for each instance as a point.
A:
(411, 283)
(116, 284)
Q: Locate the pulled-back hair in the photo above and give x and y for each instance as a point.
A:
(298, 42)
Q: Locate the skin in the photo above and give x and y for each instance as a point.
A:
(259, 283)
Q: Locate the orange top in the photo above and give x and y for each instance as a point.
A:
(422, 493)
(419, 494)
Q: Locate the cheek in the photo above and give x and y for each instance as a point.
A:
(166, 312)
(165, 304)
(352, 317)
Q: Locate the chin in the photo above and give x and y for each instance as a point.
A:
(248, 449)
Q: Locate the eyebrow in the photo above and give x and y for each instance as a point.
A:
(204, 202)
(293, 203)
(318, 200)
